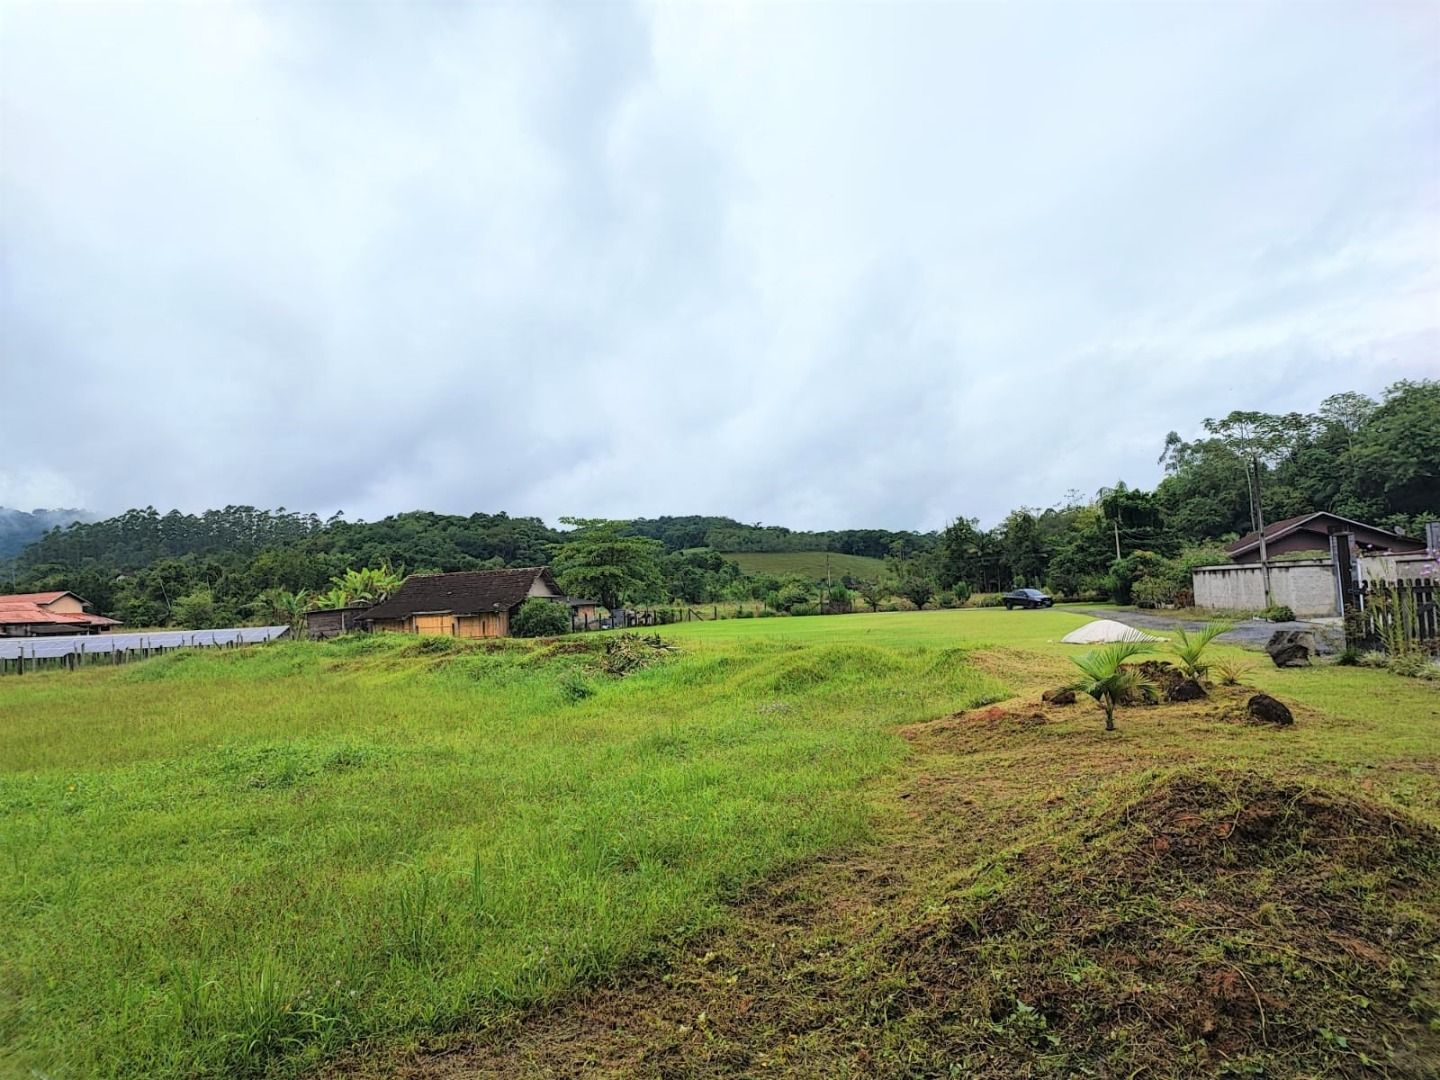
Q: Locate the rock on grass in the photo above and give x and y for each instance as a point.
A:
(1268, 710)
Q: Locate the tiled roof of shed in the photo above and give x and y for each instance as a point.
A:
(467, 592)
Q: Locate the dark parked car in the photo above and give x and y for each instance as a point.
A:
(1031, 598)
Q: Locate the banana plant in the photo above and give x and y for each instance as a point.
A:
(289, 608)
(331, 598)
(369, 584)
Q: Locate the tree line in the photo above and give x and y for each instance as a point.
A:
(1373, 460)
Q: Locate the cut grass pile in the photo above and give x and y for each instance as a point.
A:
(227, 862)
(810, 564)
(230, 863)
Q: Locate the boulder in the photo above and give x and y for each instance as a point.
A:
(1063, 696)
(1291, 648)
(1185, 690)
(1267, 710)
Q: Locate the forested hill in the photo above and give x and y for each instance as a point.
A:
(140, 538)
(20, 528)
(727, 534)
(136, 564)
(1378, 461)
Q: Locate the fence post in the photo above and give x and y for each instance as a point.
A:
(1347, 596)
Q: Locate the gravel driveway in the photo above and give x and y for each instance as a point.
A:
(1248, 633)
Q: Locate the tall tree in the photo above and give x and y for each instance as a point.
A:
(961, 554)
(1397, 450)
(602, 560)
(1023, 552)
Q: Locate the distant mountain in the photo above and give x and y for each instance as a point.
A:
(19, 528)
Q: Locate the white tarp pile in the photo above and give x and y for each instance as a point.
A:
(1102, 631)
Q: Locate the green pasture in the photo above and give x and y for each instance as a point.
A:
(809, 564)
(230, 862)
(240, 862)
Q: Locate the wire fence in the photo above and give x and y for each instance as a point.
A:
(19, 655)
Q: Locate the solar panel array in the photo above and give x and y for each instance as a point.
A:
(40, 648)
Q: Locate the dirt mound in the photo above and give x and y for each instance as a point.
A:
(1226, 913)
(1245, 819)
(1171, 684)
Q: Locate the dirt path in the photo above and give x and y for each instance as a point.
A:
(1248, 633)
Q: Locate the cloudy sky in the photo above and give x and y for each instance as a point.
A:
(818, 264)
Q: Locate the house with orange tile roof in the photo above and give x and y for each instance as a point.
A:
(45, 613)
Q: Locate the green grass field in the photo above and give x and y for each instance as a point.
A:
(245, 862)
(810, 564)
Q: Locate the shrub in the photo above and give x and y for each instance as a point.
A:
(1373, 658)
(195, 610)
(574, 686)
(1189, 648)
(961, 591)
(945, 599)
(538, 617)
(1414, 665)
(1153, 591)
(1230, 671)
(1279, 613)
(990, 600)
(918, 590)
(792, 595)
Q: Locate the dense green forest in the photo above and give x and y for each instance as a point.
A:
(21, 528)
(1376, 461)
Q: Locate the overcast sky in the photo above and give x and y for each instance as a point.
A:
(821, 265)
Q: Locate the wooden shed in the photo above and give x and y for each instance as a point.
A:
(469, 604)
(332, 622)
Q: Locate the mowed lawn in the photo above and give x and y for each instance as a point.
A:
(235, 862)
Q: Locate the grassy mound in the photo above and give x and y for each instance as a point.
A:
(1216, 922)
(242, 862)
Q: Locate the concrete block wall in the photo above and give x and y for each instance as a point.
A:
(1306, 586)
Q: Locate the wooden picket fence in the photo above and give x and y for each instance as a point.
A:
(1394, 616)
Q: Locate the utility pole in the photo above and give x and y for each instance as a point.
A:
(1260, 524)
(1117, 538)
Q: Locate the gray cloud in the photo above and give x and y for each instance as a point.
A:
(820, 265)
